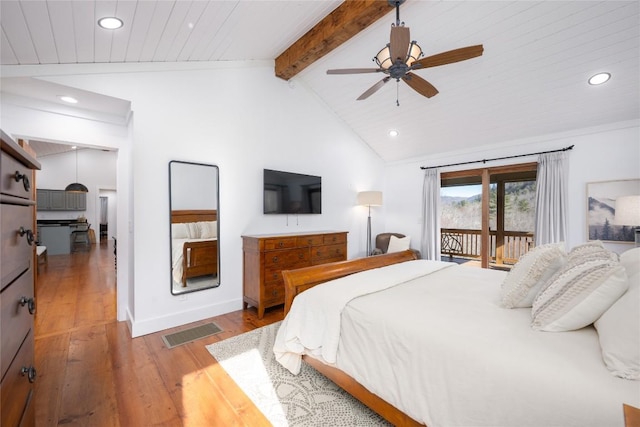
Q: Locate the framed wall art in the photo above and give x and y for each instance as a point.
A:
(601, 210)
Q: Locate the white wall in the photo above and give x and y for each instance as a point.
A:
(600, 154)
(241, 119)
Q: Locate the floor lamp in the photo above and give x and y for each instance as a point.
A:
(369, 198)
(628, 213)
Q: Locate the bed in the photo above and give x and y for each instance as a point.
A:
(447, 352)
(194, 244)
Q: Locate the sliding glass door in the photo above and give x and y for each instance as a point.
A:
(488, 214)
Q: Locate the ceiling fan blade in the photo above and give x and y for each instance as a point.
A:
(420, 85)
(399, 43)
(353, 71)
(449, 57)
(373, 89)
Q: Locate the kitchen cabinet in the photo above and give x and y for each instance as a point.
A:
(60, 200)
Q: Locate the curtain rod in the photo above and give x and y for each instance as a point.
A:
(497, 158)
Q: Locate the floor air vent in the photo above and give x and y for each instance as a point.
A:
(191, 334)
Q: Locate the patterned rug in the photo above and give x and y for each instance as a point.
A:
(306, 399)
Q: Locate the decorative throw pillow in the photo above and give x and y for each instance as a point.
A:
(630, 260)
(578, 294)
(619, 332)
(398, 244)
(534, 268)
(208, 229)
(179, 231)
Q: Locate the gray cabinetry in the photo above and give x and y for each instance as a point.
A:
(60, 200)
(75, 201)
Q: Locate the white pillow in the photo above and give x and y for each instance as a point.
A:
(398, 244)
(530, 273)
(193, 230)
(208, 229)
(630, 260)
(179, 231)
(619, 332)
(578, 294)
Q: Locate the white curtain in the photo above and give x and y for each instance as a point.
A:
(430, 245)
(551, 198)
(104, 210)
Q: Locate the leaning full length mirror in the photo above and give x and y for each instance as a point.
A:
(193, 204)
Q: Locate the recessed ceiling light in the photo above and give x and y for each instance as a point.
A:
(393, 133)
(68, 99)
(110, 23)
(599, 78)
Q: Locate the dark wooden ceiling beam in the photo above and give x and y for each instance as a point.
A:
(344, 22)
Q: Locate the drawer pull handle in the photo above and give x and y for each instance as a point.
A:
(275, 293)
(275, 259)
(29, 233)
(300, 255)
(280, 244)
(30, 303)
(30, 372)
(25, 180)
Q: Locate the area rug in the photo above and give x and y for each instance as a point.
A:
(306, 399)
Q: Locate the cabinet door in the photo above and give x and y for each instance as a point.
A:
(43, 200)
(58, 200)
(76, 201)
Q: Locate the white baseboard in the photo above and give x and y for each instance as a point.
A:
(149, 326)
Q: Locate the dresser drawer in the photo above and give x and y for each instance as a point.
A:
(329, 251)
(20, 188)
(279, 243)
(16, 252)
(15, 319)
(16, 388)
(310, 240)
(286, 259)
(273, 295)
(329, 239)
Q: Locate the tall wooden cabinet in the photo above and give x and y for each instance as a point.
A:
(17, 298)
(266, 255)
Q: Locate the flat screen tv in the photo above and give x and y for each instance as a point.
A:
(291, 193)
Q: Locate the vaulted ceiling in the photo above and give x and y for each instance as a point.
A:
(531, 79)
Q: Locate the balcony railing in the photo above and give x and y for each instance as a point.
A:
(468, 244)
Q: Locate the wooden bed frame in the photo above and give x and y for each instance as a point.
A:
(297, 281)
(204, 255)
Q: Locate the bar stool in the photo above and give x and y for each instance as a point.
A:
(80, 238)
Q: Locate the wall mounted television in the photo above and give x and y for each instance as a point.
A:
(291, 193)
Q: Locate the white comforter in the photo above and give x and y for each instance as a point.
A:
(312, 325)
(441, 349)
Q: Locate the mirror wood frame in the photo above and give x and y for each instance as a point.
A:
(194, 241)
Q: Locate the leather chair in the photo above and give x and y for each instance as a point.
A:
(382, 243)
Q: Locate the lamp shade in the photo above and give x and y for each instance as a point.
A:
(77, 188)
(370, 198)
(627, 211)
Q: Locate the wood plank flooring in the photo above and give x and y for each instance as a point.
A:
(92, 373)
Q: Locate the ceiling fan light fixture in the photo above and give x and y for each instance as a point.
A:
(383, 58)
(415, 52)
(384, 61)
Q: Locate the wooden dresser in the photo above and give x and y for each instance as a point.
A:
(266, 255)
(17, 300)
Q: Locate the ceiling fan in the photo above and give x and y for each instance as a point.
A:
(401, 56)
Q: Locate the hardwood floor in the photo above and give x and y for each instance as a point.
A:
(91, 373)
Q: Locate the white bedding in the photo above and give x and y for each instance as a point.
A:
(177, 246)
(442, 350)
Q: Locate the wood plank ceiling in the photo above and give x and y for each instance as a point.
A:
(531, 80)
